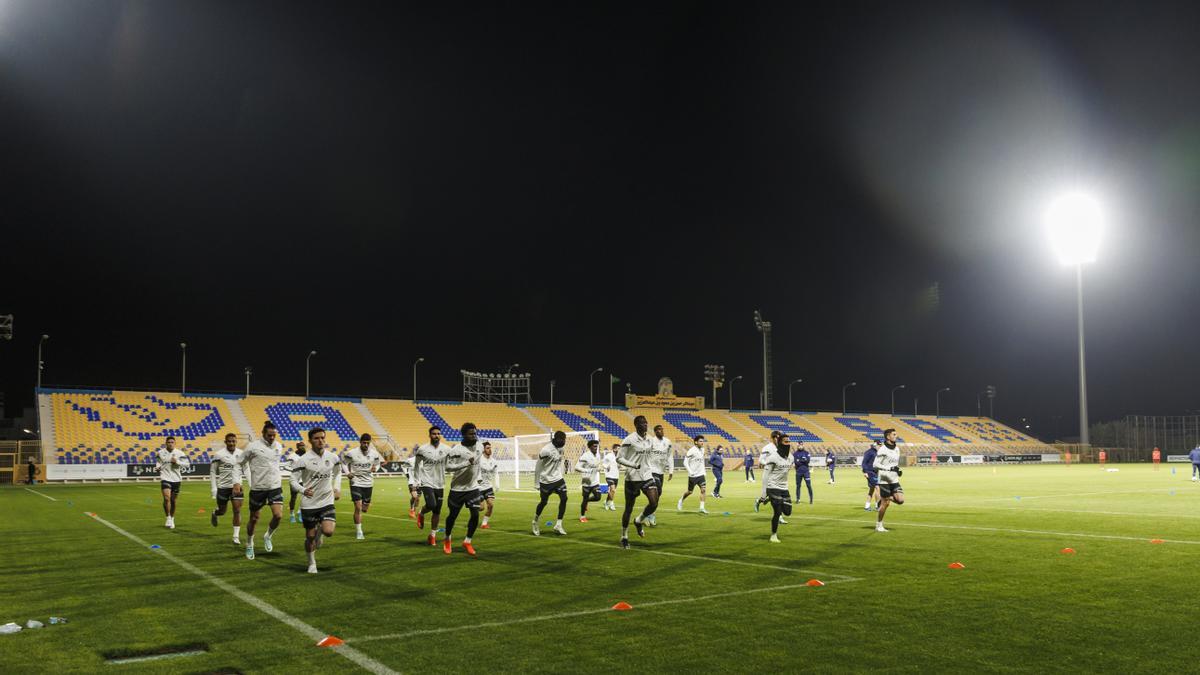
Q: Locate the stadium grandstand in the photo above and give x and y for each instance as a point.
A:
(84, 426)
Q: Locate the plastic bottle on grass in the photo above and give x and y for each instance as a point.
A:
(58, 619)
(10, 628)
(34, 623)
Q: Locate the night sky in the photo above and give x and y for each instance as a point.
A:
(579, 185)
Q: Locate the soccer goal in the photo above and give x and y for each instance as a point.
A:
(517, 455)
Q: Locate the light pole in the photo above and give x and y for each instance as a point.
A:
(308, 370)
(591, 397)
(248, 371)
(938, 401)
(1074, 223)
(510, 368)
(764, 327)
(844, 388)
(979, 404)
(419, 360)
(552, 383)
(790, 407)
(915, 402)
(41, 364)
(611, 379)
(183, 377)
(731, 382)
(894, 390)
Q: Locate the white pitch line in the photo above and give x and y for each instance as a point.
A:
(613, 547)
(586, 612)
(1004, 529)
(359, 658)
(41, 495)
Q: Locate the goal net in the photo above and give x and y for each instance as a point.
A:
(517, 455)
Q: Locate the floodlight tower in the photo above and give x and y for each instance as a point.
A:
(715, 374)
(1074, 223)
(764, 327)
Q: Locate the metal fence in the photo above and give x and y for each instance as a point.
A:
(14, 459)
(1173, 434)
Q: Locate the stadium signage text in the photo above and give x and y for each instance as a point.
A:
(664, 401)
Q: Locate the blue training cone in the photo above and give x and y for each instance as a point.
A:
(1172, 471)
(1017, 498)
(728, 513)
(155, 546)
(549, 523)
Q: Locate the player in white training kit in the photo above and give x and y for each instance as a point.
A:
(487, 482)
(414, 488)
(661, 464)
(293, 513)
(549, 474)
(430, 472)
(260, 463)
(463, 460)
(360, 464)
(635, 457)
(612, 476)
(887, 462)
(775, 468)
(169, 462)
(589, 466)
(225, 473)
(694, 463)
(767, 450)
(318, 479)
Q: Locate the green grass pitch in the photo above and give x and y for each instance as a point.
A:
(709, 593)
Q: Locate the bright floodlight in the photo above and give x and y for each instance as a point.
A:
(1074, 222)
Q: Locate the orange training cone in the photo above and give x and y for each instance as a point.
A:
(622, 606)
(1152, 541)
(1068, 551)
(200, 511)
(815, 582)
(331, 641)
(957, 566)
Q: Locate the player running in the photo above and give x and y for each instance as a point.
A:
(463, 461)
(634, 456)
(549, 474)
(487, 482)
(775, 467)
(430, 471)
(694, 463)
(589, 466)
(260, 461)
(612, 476)
(802, 460)
(226, 477)
(318, 479)
(414, 488)
(872, 476)
(887, 462)
(661, 463)
(831, 464)
(767, 450)
(360, 464)
(293, 513)
(169, 462)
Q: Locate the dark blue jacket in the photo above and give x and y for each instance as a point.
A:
(801, 459)
(716, 462)
(749, 461)
(868, 461)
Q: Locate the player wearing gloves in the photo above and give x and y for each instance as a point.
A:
(887, 463)
(775, 467)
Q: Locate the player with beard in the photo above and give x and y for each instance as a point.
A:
(887, 462)
(775, 467)
(549, 474)
(635, 457)
(463, 461)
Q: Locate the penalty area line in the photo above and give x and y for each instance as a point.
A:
(358, 658)
(41, 494)
(587, 612)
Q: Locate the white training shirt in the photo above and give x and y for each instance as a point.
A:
(589, 466)
(634, 456)
(660, 455)
(694, 462)
(263, 463)
(321, 472)
(167, 470)
(775, 470)
(361, 466)
(549, 467)
(886, 462)
(225, 471)
(463, 461)
(612, 470)
(768, 449)
(487, 472)
(430, 468)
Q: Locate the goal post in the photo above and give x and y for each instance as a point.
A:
(517, 455)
